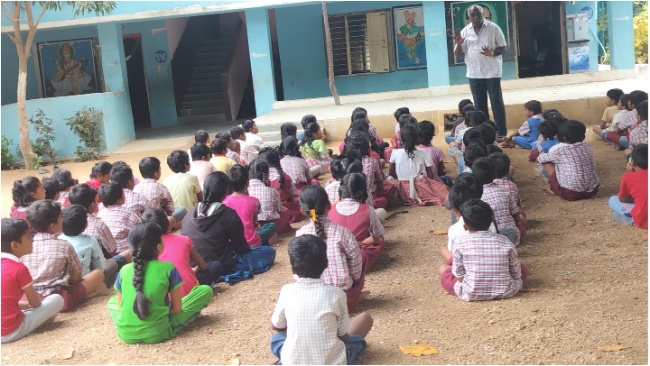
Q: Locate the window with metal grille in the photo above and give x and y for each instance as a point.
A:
(361, 43)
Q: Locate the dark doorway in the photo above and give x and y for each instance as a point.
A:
(539, 27)
(137, 81)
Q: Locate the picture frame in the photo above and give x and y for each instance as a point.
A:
(68, 68)
(410, 48)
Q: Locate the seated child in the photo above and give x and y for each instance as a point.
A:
(346, 268)
(119, 163)
(315, 150)
(451, 136)
(232, 147)
(571, 168)
(426, 131)
(157, 194)
(396, 140)
(24, 192)
(200, 137)
(248, 208)
(304, 121)
(282, 183)
(341, 165)
(294, 165)
(631, 205)
(219, 159)
(611, 108)
(457, 148)
(288, 129)
(201, 165)
(247, 152)
(361, 125)
(252, 137)
(474, 149)
(184, 188)
(502, 198)
(377, 144)
(546, 140)
(64, 177)
(100, 174)
(53, 263)
(483, 265)
(179, 251)
(132, 200)
(148, 307)
(309, 313)
(75, 221)
(528, 133)
(119, 219)
(271, 209)
(52, 190)
(622, 122)
(413, 169)
(639, 132)
(19, 318)
(502, 168)
(354, 213)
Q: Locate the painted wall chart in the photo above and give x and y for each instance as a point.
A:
(68, 68)
(409, 37)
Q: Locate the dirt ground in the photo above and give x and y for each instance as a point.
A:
(587, 287)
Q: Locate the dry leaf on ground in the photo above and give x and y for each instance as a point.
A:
(439, 232)
(614, 348)
(66, 354)
(418, 350)
(233, 359)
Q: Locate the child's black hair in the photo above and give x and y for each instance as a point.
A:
(472, 134)
(642, 110)
(426, 131)
(547, 129)
(201, 136)
(501, 164)
(410, 139)
(314, 202)
(345, 164)
(308, 256)
(469, 108)
(23, 189)
(400, 111)
(75, 220)
(223, 135)
(290, 147)
(571, 132)
(358, 142)
(492, 148)
(83, 194)
(359, 124)
(260, 170)
(354, 186)
(357, 110)
(406, 119)
(157, 216)
(109, 193)
(477, 118)
(219, 146)
(488, 133)
(199, 151)
(238, 175)
(100, 167)
(640, 156)
(215, 188)
(614, 94)
(143, 243)
(149, 166)
(624, 99)
(64, 177)
(555, 117)
(288, 129)
(236, 132)
(638, 96)
(476, 149)
(307, 119)
(484, 170)
(12, 230)
(359, 115)
(177, 161)
(463, 103)
(459, 194)
(41, 214)
(248, 125)
(272, 156)
(308, 136)
(477, 215)
(533, 106)
(122, 175)
(51, 187)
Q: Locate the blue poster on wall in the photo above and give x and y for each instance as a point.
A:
(409, 37)
(578, 58)
(67, 68)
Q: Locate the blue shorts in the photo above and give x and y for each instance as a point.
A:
(354, 346)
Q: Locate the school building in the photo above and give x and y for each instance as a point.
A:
(150, 65)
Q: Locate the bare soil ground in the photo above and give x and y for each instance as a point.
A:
(587, 287)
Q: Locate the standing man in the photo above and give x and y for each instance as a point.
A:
(483, 43)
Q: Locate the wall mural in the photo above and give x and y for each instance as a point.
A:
(68, 68)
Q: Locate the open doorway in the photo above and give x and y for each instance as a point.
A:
(539, 39)
(137, 81)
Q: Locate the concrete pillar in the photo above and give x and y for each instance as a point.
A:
(621, 34)
(436, 43)
(261, 55)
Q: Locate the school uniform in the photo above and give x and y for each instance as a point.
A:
(575, 171)
(414, 186)
(379, 190)
(271, 209)
(288, 194)
(528, 132)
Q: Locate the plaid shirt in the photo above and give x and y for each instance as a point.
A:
(100, 231)
(52, 262)
(373, 172)
(504, 201)
(234, 156)
(372, 131)
(269, 198)
(135, 201)
(343, 253)
(575, 167)
(638, 134)
(489, 266)
(332, 190)
(348, 207)
(624, 120)
(120, 220)
(157, 194)
(296, 168)
(275, 174)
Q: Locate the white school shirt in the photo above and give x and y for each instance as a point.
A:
(410, 168)
(480, 66)
(457, 230)
(255, 140)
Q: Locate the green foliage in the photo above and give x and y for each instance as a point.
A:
(640, 24)
(82, 7)
(7, 158)
(43, 144)
(87, 124)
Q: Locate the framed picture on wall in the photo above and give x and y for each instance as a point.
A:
(494, 11)
(408, 23)
(68, 68)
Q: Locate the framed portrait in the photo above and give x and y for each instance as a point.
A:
(494, 11)
(408, 24)
(68, 68)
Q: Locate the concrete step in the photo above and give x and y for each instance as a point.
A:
(203, 104)
(200, 97)
(202, 111)
(216, 48)
(209, 68)
(212, 54)
(205, 82)
(206, 75)
(215, 42)
(207, 119)
(209, 61)
(204, 89)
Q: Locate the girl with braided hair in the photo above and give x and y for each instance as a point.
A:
(314, 148)
(282, 182)
(295, 166)
(148, 307)
(347, 263)
(271, 208)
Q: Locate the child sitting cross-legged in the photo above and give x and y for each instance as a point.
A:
(66, 182)
(501, 168)
(546, 140)
(426, 131)
(149, 307)
(450, 137)
(295, 166)
(184, 188)
(282, 182)
(24, 192)
(631, 205)
(232, 147)
(157, 194)
(133, 200)
(19, 318)
(200, 137)
(341, 165)
(315, 150)
(528, 133)
(53, 263)
(483, 265)
(219, 159)
(119, 219)
(201, 165)
(310, 323)
(271, 209)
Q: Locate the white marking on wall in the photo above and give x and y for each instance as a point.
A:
(155, 31)
(258, 55)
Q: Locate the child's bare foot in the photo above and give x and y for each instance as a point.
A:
(363, 295)
(97, 290)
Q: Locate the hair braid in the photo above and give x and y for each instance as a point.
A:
(320, 229)
(141, 303)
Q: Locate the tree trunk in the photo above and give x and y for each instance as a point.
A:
(25, 144)
(330, 57)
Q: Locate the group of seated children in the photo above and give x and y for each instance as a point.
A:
(624, 124)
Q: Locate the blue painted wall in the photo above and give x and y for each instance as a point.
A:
(621, 35)
(590, 7)
(261, 58)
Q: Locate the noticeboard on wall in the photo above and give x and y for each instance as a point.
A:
(68, 68)
(408, 24)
